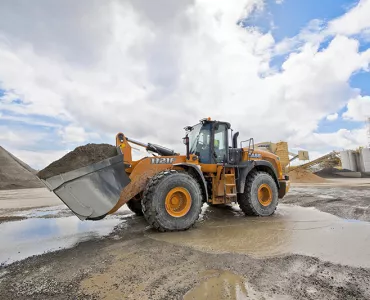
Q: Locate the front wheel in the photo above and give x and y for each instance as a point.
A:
(172, 201)
(260, 197)
(135, 206)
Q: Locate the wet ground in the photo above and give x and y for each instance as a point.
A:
(348, 202)
(302, 252)
(26, 198)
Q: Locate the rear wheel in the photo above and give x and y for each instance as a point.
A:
(260, 197)
(218, 205)
(172, 201)
(135, 206)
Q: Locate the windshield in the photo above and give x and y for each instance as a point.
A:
(194, 137)
(199, 141)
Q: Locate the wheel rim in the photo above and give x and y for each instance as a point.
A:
(265, 194)
(178, 202)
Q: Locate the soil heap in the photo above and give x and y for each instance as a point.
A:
(15, 174)
(80, 157)
(336, 173)
(300, 175)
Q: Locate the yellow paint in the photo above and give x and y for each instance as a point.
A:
(178, 202)
(264, 194)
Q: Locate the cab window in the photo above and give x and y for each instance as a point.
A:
(220, 143)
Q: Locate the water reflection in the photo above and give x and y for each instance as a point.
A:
(292, 230)
(21, 239)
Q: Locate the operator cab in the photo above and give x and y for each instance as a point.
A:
(209, 141)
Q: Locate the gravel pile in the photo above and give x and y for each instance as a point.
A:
(80, 157)
(304, 176)
(15, 174)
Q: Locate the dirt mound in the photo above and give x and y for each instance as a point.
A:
(331, 172)
(80, 157)
(15, 174)
(304, 176)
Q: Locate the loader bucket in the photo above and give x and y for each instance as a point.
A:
(92, 191)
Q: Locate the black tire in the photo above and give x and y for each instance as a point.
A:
(135, 206)
(218, 205)
(248, 201)
(153, 201)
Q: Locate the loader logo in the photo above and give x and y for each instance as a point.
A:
(163, 160)
(255, 155)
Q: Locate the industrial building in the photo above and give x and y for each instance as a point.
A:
(356, 161)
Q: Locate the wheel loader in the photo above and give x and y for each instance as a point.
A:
(169, 189)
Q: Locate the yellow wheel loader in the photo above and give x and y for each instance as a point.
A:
(169, 189)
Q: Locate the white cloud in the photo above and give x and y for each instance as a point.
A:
(332, 117)
(75, 134)
(19, 137)
(327, 142)
(353, 22)
(9, 97)
(28, 120)
(37, 159)
(135, 67)
(358, 109)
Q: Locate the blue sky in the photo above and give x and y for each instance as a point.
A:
(289, 18)
(60, 88)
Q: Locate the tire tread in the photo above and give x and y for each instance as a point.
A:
(150, 213)
(244, 199)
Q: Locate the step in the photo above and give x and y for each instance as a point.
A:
(230, 184)
(231, 195)
(229, 175)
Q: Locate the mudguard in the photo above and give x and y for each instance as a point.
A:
(200, 177)
(246, 167)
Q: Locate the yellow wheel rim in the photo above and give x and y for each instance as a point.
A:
(178, 202)
(265, 194)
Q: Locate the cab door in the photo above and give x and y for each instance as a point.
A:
(220, 143)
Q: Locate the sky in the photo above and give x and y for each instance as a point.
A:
(76, 72)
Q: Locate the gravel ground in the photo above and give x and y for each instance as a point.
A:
(131, 264)
(345, 202)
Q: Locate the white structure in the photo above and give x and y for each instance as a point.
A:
(365, 160)
(368, 131)
(349, 160)
(356, 161)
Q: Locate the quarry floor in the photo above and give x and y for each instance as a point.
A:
(314, 247)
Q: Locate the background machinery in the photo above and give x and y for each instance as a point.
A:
(169, 189)
(281, 150)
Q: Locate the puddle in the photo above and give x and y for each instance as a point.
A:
(219, 284)
(292, 230)
(21, 239)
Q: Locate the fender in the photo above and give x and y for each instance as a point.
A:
(246, 167)
(199, 175)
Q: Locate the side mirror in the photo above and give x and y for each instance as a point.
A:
(185, 140)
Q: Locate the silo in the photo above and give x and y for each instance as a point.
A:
(348, 159)
(352, 160)
(365, 153)
(344, 157)
(359, 162)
